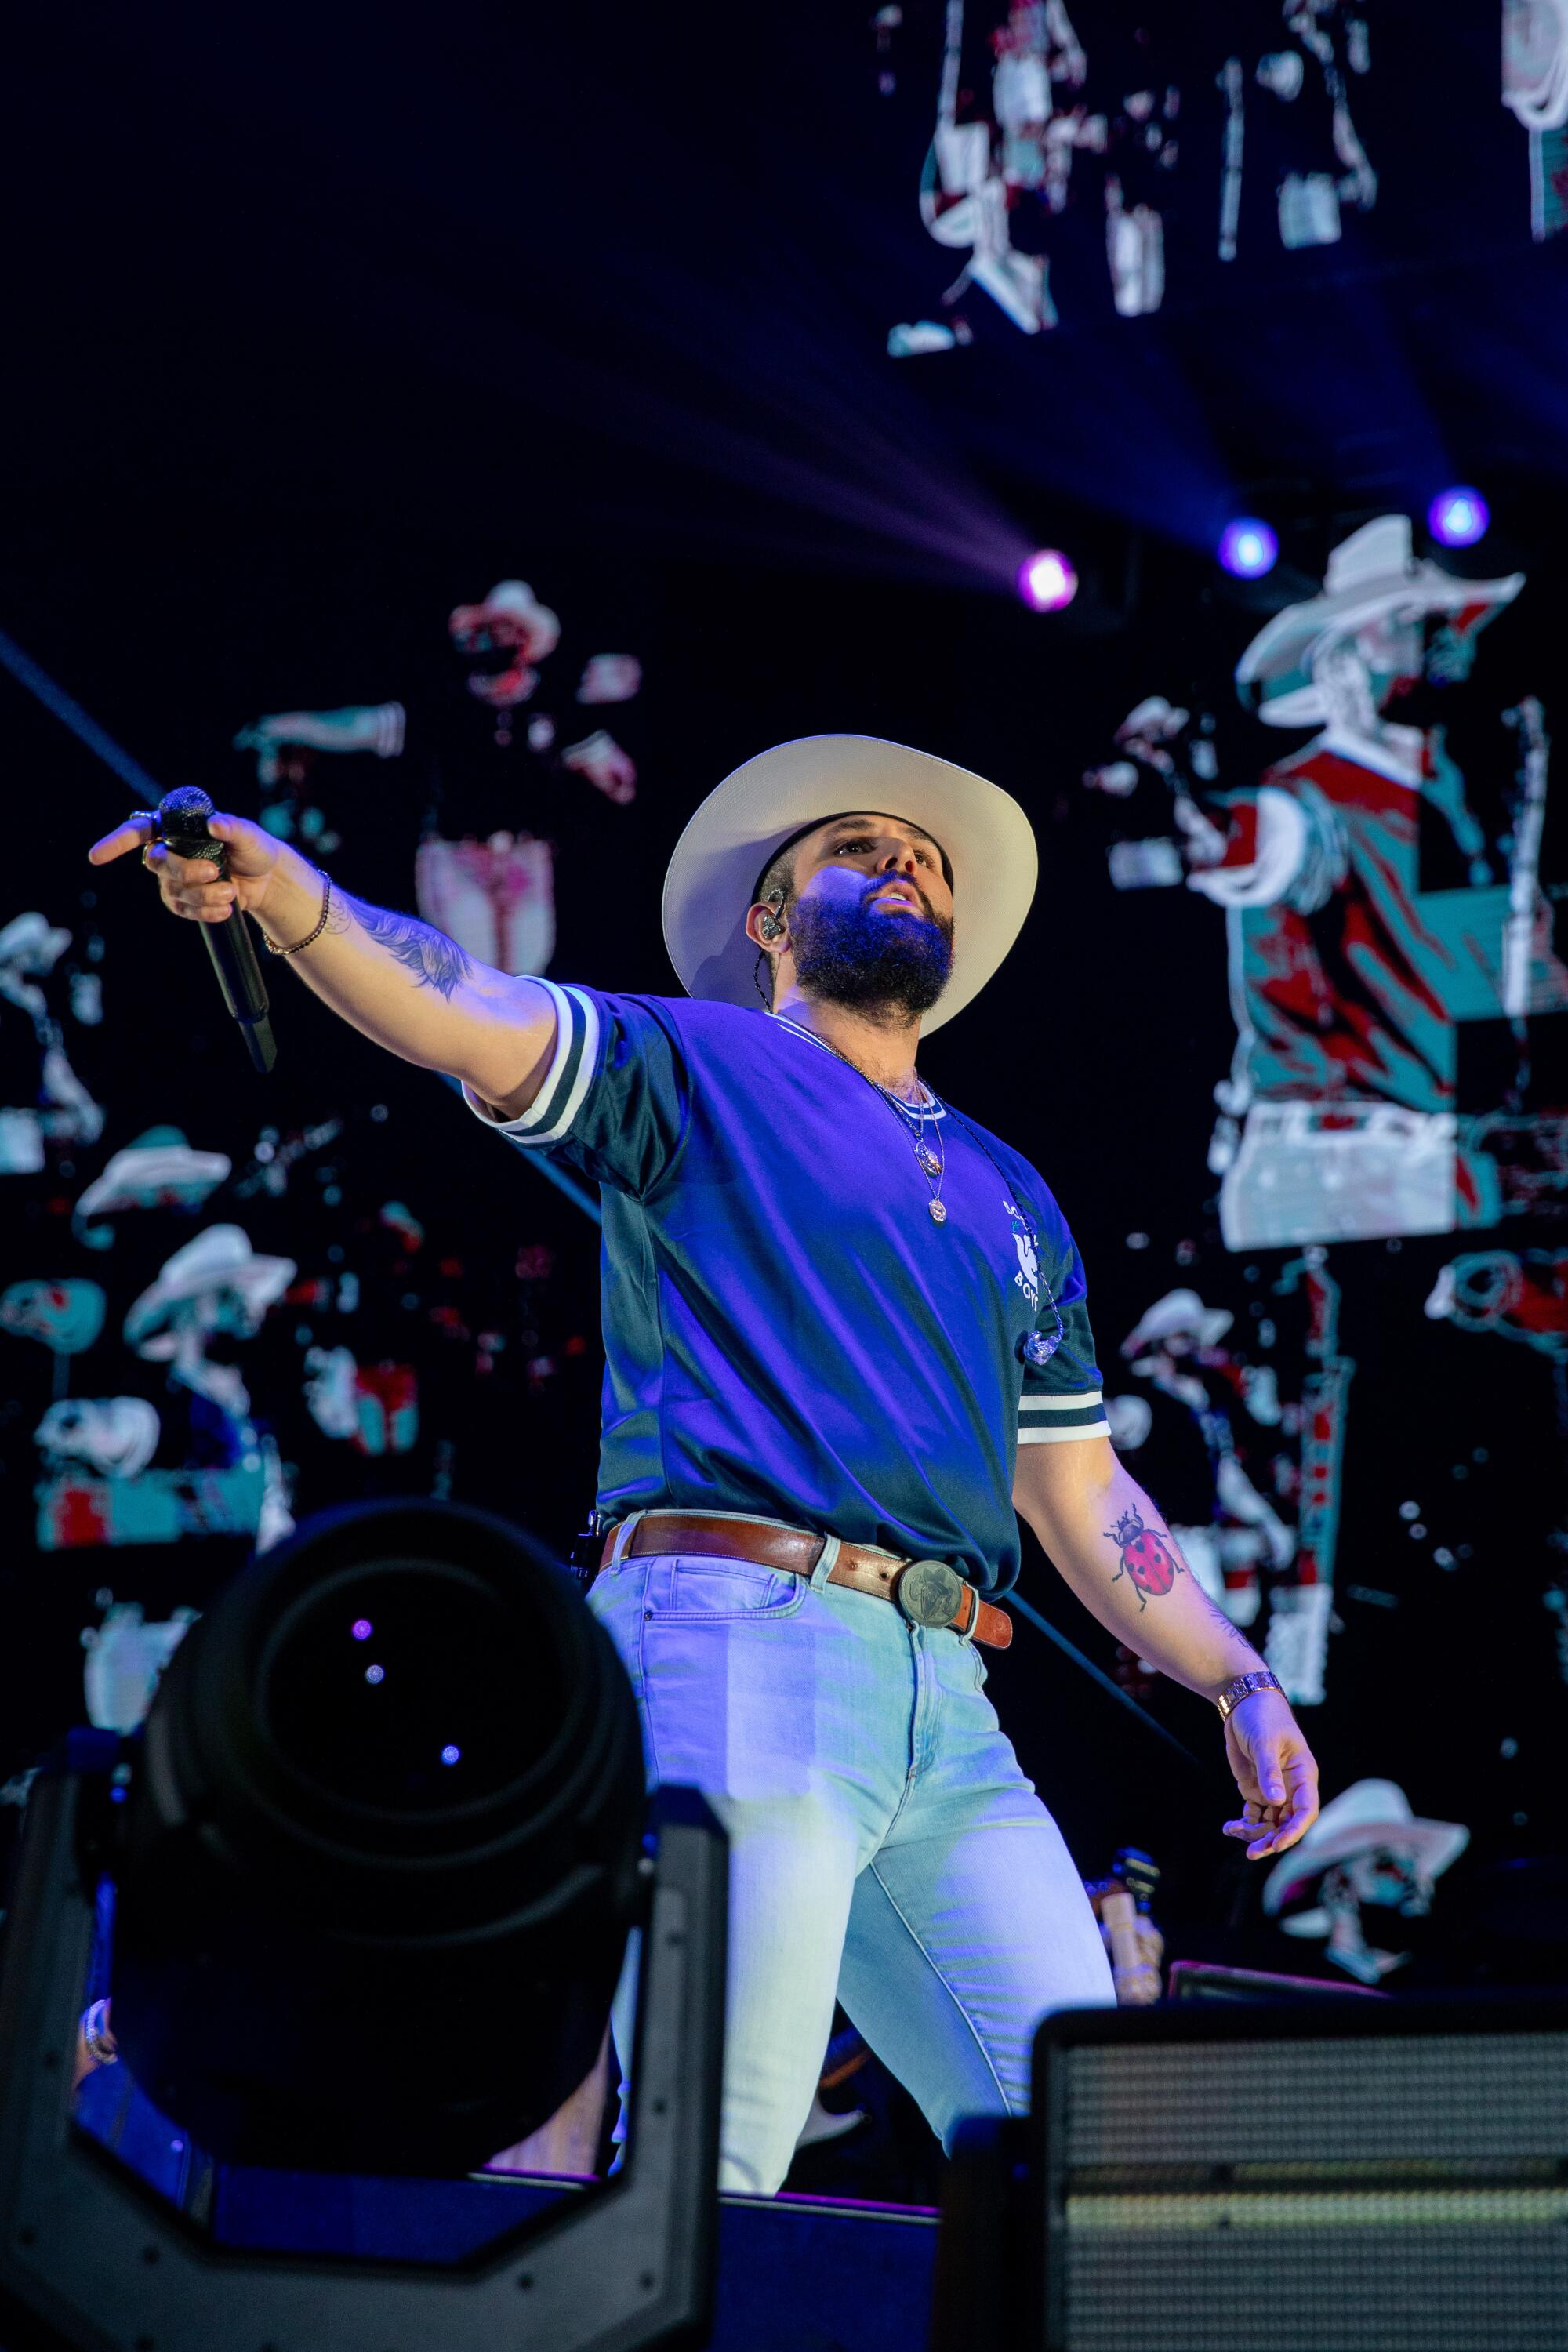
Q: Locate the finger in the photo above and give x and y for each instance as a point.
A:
(1298, 1821)
(250, 847)
(1270, 1775)
(181, 873)
(125, 837)
(211, 900)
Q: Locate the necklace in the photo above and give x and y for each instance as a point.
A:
(933, 1164)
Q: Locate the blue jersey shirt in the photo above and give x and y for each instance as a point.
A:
(787, 1331)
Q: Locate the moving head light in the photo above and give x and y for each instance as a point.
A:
(382, 1850)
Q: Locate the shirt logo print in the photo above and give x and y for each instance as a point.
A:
(1028, 1278)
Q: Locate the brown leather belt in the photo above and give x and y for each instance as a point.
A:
(928, 1591)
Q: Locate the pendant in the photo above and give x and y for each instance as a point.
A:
(938, 1213)
(928, 1160)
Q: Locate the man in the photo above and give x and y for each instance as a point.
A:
(845, 1331)
(1339, 1120)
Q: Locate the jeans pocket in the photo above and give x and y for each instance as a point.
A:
(689, 1588)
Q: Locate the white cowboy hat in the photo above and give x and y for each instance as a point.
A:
(747, 819)
(1153, 716)
(1371, 572)
(158, 1169)
(32, 942)
(1179, 1311)
(1367, 1816)
(516, 601)
(219, 1259)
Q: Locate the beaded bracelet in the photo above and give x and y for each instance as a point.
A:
(311, 937)
(96, 2040)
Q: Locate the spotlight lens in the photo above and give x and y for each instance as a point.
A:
(1457, 518)
(1047, 581)
(361, 1629)
(449, 1680)
(1247, 548)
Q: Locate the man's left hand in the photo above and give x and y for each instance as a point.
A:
(1275, 1771)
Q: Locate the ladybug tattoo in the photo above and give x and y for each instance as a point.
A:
(1150, 1559)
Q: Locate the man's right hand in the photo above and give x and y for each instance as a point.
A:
(265, 876)
(398, 980)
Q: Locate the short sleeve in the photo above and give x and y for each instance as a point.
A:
(1062, 1399)
(615, 1100)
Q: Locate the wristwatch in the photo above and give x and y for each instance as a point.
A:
(1242, 1686)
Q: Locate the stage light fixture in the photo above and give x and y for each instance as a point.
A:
(369, 1929)
(1248, 548)
(435, 1852)
(1047, 582)
(1459, 517)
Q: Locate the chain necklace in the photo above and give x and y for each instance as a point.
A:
(933, 1164)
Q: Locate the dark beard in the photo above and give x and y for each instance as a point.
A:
(893, 963)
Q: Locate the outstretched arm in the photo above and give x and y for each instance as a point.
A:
(404, 984)
(1110, 1543)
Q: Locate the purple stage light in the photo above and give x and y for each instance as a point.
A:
(450, 1755)
(1047, 581)
(1457, 518)
(361, 1629)
(1248, 548)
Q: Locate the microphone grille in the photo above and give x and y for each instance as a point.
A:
(185, 809)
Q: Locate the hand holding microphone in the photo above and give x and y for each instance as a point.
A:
(214, 869)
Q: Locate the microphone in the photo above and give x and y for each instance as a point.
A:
(183, 827)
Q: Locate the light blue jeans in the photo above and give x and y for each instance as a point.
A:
(885, 1847)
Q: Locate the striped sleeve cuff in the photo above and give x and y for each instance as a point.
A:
(549, 1116)
(1057, 1420)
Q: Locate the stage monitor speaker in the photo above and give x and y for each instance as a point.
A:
(1362, 2177)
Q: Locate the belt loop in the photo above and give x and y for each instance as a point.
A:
(826, 1562)
(623, 1538)
(966, 1630)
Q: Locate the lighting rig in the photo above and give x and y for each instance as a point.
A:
(377, 1855)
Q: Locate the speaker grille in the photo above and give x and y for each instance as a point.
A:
(1471, 2097)
(1303, 2194)
(1416, 2288)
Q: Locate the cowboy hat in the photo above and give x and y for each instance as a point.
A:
(221, 1259)
(745, 823)
(1371, 574)
(1179, 1311)
(160, 1170)
(1367, 1815)
(512, 600)
(32, 942)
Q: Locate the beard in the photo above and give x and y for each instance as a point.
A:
(872, 959)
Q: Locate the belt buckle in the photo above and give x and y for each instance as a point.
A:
(928, 1593)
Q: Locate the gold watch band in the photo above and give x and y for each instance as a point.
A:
(1242, 1686)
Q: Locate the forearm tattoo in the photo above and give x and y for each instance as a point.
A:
(1152, 1562)
(1148, 1557)
(435, 961)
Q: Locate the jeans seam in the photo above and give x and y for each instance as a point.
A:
(645, 1707)
(919, 1947)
